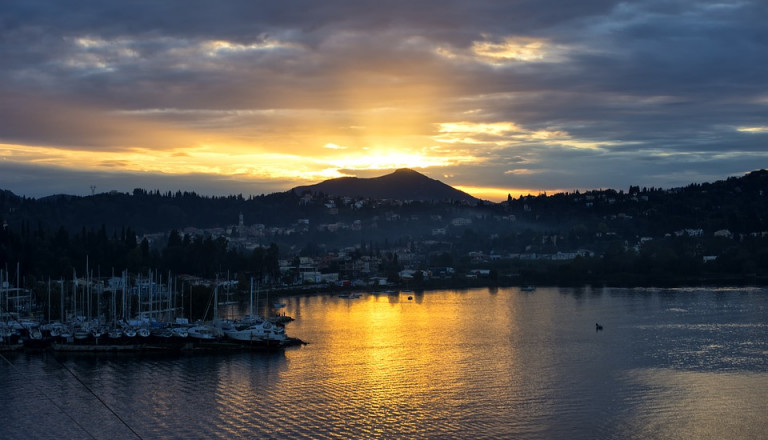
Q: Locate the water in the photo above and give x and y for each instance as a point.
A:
(474, 364)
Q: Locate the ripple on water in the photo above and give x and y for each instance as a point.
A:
(470, 364)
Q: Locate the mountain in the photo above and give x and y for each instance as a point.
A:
(403, 184)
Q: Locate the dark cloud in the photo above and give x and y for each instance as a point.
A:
(652, 92)
(39, 181)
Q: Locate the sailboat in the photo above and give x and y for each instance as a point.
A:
(256, 330)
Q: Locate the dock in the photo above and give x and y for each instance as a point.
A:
(217, 346)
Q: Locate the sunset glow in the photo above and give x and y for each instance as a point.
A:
(499, 194)
(267, 99)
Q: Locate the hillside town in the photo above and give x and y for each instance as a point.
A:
(514, 242)
(703, 233)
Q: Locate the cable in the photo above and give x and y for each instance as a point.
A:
(54, 402)
(99, 399)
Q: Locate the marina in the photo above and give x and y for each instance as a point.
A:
(112, 316)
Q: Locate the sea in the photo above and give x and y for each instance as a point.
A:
(484, 363)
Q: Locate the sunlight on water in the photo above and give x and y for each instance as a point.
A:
(697, 405)
(669, 364)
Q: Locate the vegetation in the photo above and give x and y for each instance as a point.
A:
(703, 233)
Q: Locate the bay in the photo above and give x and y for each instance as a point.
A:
(471, 364)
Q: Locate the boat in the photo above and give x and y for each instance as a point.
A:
(163, 334)
(201, 332)
(97, 332)
(57, 330)
(35, 333)
(180, 332)
(81, 333)
(35, 339)
(115, 334)
(254, 330)
(263, 331)
(527, 288)
(7, 333)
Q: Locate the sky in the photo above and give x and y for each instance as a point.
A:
(491, 97)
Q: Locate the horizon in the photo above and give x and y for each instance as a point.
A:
(489, 97)
(93, 190)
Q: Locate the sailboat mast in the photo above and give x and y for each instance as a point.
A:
(61, 301)
(216, 299)
(251, 304)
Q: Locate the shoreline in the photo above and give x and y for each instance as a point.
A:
(452, 285)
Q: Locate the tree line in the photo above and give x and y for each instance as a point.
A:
(41, 254)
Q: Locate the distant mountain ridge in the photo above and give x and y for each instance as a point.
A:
(738, 204)
(402, 184)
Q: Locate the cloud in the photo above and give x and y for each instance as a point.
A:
(760, 129)
(41, 180)
(548, 94)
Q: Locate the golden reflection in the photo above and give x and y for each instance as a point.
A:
(402, 353)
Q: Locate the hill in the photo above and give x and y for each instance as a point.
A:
(705, 232)
(403, 184)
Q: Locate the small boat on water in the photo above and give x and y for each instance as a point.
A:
(527, 288)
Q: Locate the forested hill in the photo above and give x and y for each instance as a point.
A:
(145, 211)
(702, 232)
(738, 203)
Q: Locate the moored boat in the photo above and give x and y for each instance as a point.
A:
(264, 331)
(201, 332)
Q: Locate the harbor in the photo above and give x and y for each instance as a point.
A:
(146, 315)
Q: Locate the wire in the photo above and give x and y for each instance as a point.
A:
(99, 399)
(52, 401)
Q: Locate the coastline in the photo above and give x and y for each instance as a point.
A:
(626, 282)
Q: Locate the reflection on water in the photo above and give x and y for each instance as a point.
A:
(676, 404)
(683, 364)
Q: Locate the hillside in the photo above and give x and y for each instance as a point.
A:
(714, 232)
(738, 203)
(403, 184)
